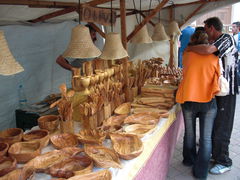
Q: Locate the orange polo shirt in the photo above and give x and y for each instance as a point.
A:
(200, 78)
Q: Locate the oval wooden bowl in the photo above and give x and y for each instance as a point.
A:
(24, 151)
(41, 136)
(3, 148)
(18, 174)
(48, 122)
(63, 140)
(7, 164)
(115, 120)
(127, 146)
(99, 175)
(46, 160)
(88, 136)
(124, 108)
(139, 129)
(70, 167)
(142, 118)
(11, 135)
(102, 156)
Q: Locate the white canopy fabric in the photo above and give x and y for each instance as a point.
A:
(36, 46)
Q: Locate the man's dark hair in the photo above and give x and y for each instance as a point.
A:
(237, 23)
(91, 29)
(199, 28)
(215, 22)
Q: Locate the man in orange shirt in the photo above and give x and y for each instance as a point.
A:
(224, 47)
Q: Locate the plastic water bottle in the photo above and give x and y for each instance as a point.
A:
(22, 97)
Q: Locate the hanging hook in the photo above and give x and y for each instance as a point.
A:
(135, 9)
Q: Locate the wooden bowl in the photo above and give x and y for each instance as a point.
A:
(123, 108)
(48, 122)
(11, 135)
(18, 174)
(99, 175)
(102, 156)
(3, 148)
(42, 162)
(127, 146)
(139, 129)
(115, 120)
(88, 136)
(67, 168)
(7, 164)
(63, 140)
(41, 136)
(142, 118)
(24, 151)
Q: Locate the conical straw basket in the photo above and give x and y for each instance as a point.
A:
(142, 36)
(159, 33)
(8, 64)
(113, 48)
(81, 44)
(173, 29)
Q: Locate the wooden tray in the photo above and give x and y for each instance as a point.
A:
(7, 164)
(102, 156)
(143, 118)
(139, 129)
(48, 122)
(127, 146)
(60, 141)
(99, 175)
(3, 148)
(41, 136)
(24, 151)
(11, 135)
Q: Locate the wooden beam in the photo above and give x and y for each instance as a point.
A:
(144, 16)
(98, 30)
(192, 14)
(128, 14)
(147, 19)
(54, 14)
(52, 4)
(123, 23)
(96, 2)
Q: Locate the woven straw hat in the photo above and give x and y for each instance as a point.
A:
(159, 33)
(81, 44)
(173, 29)
(142, 36)
(113, 48)
(8, 64)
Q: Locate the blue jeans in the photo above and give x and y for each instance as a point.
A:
(206, 113)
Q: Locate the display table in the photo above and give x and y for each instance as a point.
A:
(154, 161)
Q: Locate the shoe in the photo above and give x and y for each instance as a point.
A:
(219, 169)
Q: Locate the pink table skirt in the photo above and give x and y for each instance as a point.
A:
(156, 168)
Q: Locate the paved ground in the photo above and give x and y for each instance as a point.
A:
(179, 172)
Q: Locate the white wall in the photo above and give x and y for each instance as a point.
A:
(36, 48)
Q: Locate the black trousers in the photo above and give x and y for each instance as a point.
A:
(222, 129)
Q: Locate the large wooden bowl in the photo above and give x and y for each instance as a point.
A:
(102, 156)
(18, 174)
(3, 148)
(67, 168)
(143, 118)
(7, 164)
(63, 140)
(48, 122)
(99, 175)
(44, 161)
(88, 136)
(139, 129)
(11, 135)
(124, 108)
(127, 146)
(41, 136)
(24, 151)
